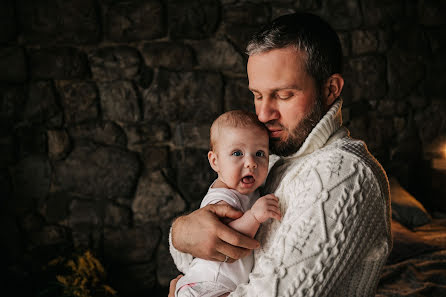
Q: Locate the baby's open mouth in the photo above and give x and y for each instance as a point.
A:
(249, 179)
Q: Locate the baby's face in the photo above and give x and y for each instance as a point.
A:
(242, 158)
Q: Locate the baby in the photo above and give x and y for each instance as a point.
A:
(239, 154)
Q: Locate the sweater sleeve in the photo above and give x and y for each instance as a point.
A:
(333, 239)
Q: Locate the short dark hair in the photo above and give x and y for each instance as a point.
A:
(308, 33)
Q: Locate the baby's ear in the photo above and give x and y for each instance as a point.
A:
(213, 160)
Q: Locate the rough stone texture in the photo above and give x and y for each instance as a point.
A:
(431, 12)
(84, 213)
(431, 122)
(365, 78)
(116, 216)
(7, 151)
(155, 157)
(131, 245)
(59, 21)
(343, 14)
(191, 135)
(31, 181)
(79, 100)
(98, 172)
(194, 174)
(47, 236)
(13, 59)
(238, 96)
(242, 20)
(381, 12)
(136, 20)
(114, 63)
(364, 42)
(435, 76)
(42, 107)
(215, 55)
(58, 63)
(30, 140)
(56, 207)
(8, 27)
(139, 135)
(307, 4)
(107, 133)
(172, 97)
(345, 40)
(171, 55)
(194, 19)
(119, 101)
(12, 99)
(58, 144)
(155, 199)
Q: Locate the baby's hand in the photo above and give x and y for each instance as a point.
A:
(266, 207)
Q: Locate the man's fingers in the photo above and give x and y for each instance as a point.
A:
(236, 239)
(225, 211)
(172, 286)
(233, 252)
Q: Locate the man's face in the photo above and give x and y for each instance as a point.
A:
(285, 97)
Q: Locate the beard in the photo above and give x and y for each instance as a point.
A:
(297, 136)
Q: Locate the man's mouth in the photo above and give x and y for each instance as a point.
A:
(249, 179)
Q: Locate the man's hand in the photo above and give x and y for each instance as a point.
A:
(173, 285)
(203, 235)
(266, 207)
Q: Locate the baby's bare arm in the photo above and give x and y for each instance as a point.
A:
(265, 207)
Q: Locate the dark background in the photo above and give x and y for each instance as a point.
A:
(106, 106)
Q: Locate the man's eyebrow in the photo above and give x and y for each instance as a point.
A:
(289, 87)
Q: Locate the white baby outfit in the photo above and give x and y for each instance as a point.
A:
(211, 278)
(334, 236)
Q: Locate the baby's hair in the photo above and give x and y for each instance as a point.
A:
(234, 119)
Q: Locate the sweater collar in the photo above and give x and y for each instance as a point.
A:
(323, 131)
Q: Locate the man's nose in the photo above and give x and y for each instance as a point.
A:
(266, 110)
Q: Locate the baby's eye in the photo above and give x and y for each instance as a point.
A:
(237, 153)
(260, 154)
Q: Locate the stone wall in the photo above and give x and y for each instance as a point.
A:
(106, 106)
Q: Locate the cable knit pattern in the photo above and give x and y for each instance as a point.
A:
(335, 236)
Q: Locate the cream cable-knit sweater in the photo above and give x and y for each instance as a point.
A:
(334, 236)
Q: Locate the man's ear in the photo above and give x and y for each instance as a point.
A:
(213, 160)
(333, 88)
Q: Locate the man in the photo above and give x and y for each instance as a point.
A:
(335, 235)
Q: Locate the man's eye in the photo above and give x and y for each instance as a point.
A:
(260, 154)
(237, 153)
(285, 96)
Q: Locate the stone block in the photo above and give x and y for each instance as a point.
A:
(365, 78)
(30, 140)
(307, 4)
(79, 100)
(8, 27)
(117, 216)
(186, 97)
(279, 11)
(134, 279)
(7, 151)
(59, 21)
(58, 63)
(238, 96)
(193, 174)
(56, 207)
(42, 107)
(381, 12)
(119, 101)
(131, 245)
(345, 39)
(191, 135)
(114, 63)
(364, 41)
(239, 35)
(141, 134)
(13, 63)
(154, 157)
(171, 55)
(136, 20)
(12, 100)
(98, 171)
(107, 133)
(194, 19)
(435, 76)
(431, 12)
(31, 181)
(155, 199)
(431, 122)
(84, 213)
(59, 144)
(251, 14)
(343, 15)
(48, 236)
(219, 55)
